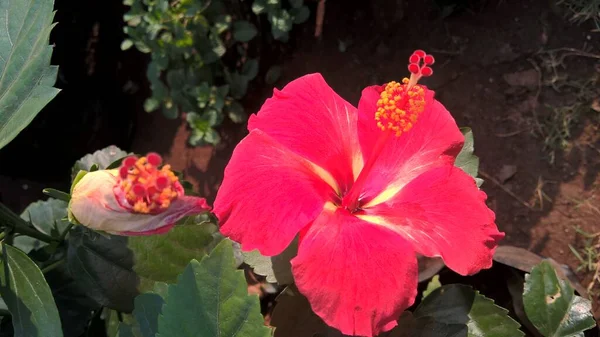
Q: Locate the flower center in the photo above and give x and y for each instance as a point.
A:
(398, 109)
(147, 188)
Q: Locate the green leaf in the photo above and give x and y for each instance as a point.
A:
(126, 44)
(552, 306)
(26, 77)
(296, 3)
(48, 217)
(56, 194)
(213, 292)
(114, 269)
(258, 6)
(409, 326)
(276, 268)
(250, 69)
(432, 285)
(27, 295)
(151, 104)
(147, 309)
(244, 31)
(273, 74)
(300, 14)
(466, 160)
(457, 304)
(103, 158)
(222, 23)
(235, 111)
(239, 85)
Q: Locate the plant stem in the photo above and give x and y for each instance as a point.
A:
(21, 226)
(63, 235)
(53, 266)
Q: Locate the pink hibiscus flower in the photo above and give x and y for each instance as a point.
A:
(139, 198)
(366, 189)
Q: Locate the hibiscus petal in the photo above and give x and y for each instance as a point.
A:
(268, 194)
(434, 140)
(358, 277)
(310, 119)
(94, 204)
(443, 213)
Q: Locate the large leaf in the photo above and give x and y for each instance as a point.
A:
(211, 299)
(244, 31)
(147, 309)
(466, 160)
(458, 305)
(552, 306)
(115, 269)
(26, 77)
(46, 216)
(27, 295)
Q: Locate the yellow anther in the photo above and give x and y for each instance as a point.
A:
(399, 113)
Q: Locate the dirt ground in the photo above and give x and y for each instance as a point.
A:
(490, 72)
(512, 70)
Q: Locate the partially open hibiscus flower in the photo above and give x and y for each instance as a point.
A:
(366, 189)
(139, 198)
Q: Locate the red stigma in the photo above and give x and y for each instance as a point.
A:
(162, 182)
(129, 161)
(154, 158)
(123, 172)
(413, 68)
(420, 53)
(426, 71)
(429, 60)
(419, 64)
(139, 190)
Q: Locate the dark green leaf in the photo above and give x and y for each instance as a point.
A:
(215, 293)
(147, 309)
(56, 194)
(244, 31)
(300, 14)
(466, 160)
(552, 306)
(27, 295)
(281, 23)
(239, 85)
(457, 304)
(296, 3)
(409, 326)
(48, 217)
(273, 74)
(26, 77)
(169, 110)
(250, 69)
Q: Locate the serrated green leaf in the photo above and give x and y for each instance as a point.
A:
(28, 296)
(466, 160)
(26, 76)
(552, 306)
(457, 304)
(432, 285)
(213, 292)
(46, 216)
(244, 31)
(276, 268)
(250, 69)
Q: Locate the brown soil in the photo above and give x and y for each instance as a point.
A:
(475, 48)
